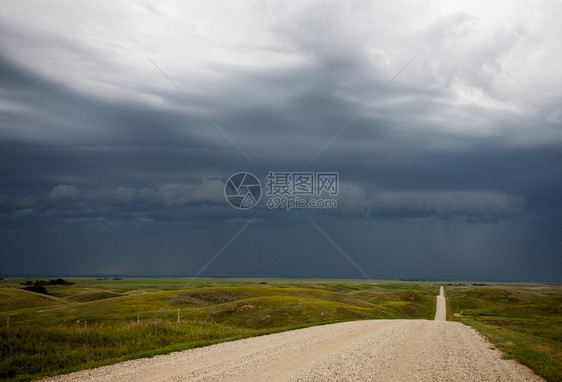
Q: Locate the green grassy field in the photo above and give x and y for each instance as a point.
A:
(48, 333)
(524, 321)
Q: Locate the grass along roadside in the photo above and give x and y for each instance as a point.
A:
(525, 323)
(32, 353)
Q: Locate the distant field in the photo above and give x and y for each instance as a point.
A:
(94, 321)
(522, 320)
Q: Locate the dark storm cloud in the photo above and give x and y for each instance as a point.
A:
(475, 206)
(102, 155)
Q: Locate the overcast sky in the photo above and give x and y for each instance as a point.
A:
(120, 123)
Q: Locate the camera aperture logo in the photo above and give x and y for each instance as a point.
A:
(286, 190)
(242, 190)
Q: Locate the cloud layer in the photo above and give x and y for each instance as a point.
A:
(125, 121)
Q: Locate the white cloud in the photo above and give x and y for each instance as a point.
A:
(170, 195)
(23, 213)
(480, 65)
(63, 193)
(11, 202)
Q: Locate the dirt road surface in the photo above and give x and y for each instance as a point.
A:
(441, 306)
(374, 350)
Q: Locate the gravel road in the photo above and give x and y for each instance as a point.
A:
(441, 306)
(374, 350)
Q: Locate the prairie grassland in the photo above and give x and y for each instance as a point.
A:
(525, 322)
(48, 333)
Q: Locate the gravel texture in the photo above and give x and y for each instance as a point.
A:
(441, 307)
(374, 350)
